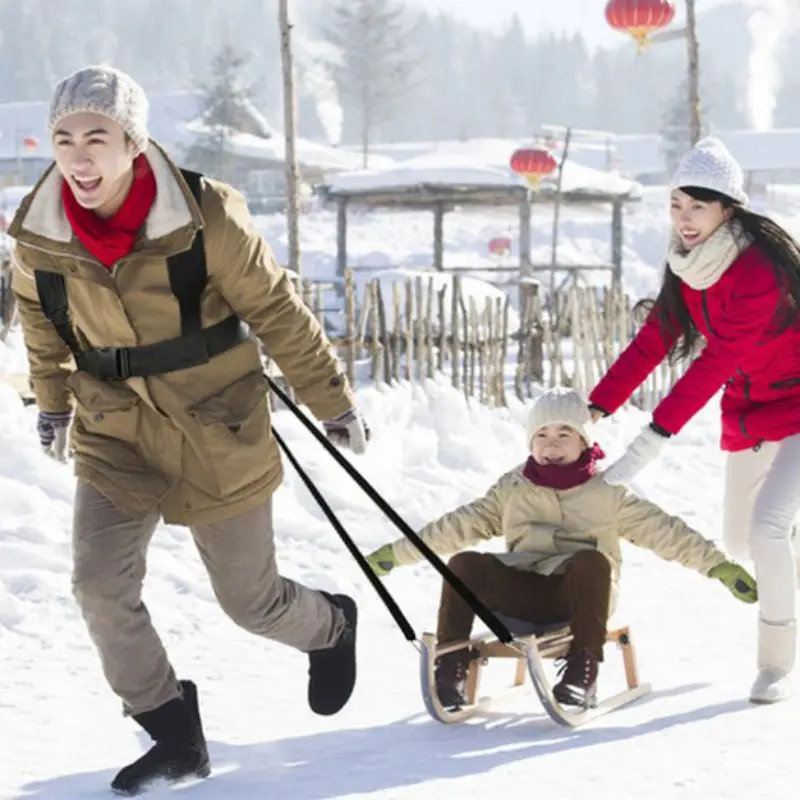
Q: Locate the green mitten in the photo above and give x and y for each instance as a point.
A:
(382, 561)
(738, 581)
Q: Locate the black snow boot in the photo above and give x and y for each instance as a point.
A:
(450, 672)
(179, 751)
(578, 684)
(332, 672)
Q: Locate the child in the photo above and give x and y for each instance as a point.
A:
(562, 525)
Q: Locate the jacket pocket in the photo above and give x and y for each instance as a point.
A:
(234, 432)
(105, 408)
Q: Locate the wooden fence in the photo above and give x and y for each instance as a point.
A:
(418, 331)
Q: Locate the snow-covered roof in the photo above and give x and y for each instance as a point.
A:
(482, 163)
(309, 154)
(757, 151)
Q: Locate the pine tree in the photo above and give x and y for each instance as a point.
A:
(225, 110)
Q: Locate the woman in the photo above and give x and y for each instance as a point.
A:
(733, 278)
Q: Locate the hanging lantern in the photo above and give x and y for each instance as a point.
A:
(500, 246)
(533, 163)
(30, 143)
(640, 18)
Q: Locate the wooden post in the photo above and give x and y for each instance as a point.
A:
(341, 236)
(350, 323)
(525, 266)
(557, 212)
(289, 122)
(616, 240)
(455, 296)
(693, 55)
(438, 236)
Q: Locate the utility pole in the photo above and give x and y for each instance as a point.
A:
(290, 127)
(693, 63)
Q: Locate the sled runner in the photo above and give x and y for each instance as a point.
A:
(532, 645)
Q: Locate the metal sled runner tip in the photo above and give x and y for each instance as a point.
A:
(529, 651)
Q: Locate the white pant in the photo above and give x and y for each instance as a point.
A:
(762, 500)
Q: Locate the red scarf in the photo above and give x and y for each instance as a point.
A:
(556, 476)
(110, 239)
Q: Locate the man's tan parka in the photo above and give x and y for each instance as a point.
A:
(197, 442)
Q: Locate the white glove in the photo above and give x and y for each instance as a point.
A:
(644, 449)
(348, 430)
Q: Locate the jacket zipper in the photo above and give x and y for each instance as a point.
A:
(742, 424)
(706, 315)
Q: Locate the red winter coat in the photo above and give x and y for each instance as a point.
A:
(741, 317)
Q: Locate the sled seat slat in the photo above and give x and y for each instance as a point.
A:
(522, 628)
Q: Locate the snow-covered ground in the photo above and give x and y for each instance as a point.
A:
(61, 732)
(694, 737)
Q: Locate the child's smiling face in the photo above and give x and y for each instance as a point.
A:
(557, 444)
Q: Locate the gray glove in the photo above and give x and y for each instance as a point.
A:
(348, 430)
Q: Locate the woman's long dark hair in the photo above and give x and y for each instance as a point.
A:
(775, 242)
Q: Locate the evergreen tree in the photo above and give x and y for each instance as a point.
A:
(225, 109)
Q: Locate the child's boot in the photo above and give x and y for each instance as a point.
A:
(777, 645)
(578, 684)
(451, 678)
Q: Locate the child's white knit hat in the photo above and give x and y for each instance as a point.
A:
(561, 406)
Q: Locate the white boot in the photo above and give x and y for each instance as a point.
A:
(777, 644)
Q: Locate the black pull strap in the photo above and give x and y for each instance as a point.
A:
(495, 625)
(389, 601)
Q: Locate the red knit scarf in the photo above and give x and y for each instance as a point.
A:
(109, 239)
(557, 476)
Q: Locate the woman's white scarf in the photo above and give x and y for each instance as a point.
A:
(702, 266)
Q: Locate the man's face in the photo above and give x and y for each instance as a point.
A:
(96, 159)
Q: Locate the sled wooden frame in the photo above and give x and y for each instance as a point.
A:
(532, 645)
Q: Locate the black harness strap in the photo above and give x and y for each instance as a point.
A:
(188, 277)
(188, 274)
(53, 299)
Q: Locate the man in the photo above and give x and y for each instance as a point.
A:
(143, 276)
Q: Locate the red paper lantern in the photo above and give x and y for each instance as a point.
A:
(30, 143)
(533, 163)
(500, 246)
(640, 18)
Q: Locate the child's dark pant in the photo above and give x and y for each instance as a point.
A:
(579, 595)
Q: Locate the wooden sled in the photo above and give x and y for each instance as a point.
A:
(532, 645)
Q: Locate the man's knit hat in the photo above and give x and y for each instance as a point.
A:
(561, 406)
(710, 165)
(107, 91)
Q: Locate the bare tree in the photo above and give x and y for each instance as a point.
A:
(377, 59)
(290, 128)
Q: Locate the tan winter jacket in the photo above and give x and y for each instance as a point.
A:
(196, 443)
(543, 527)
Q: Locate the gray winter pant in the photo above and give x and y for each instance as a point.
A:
(109, 553)
(762, 500)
